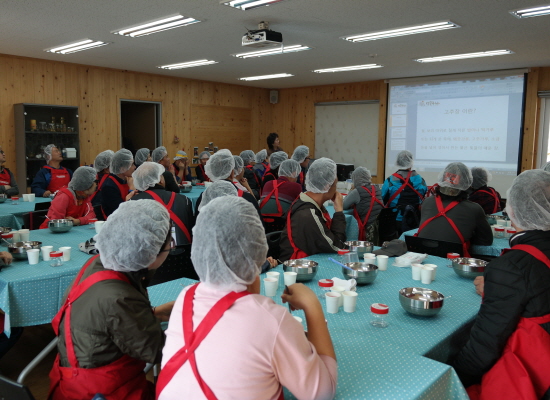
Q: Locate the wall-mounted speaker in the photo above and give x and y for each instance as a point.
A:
(273, 96)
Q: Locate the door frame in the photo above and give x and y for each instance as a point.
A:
(158, 122)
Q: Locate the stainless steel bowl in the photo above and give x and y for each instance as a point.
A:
(492, 219)
(19, 249)
(306, 269)
(421, 301)
(360, 247)
(363, 273)
(469, 267)
(60, 225)
(3, 198)
(185, 188)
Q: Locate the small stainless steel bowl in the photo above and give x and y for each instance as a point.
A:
(306, 269)
(3, 198)
(60, 225)
(360, 247)
(469, 267)
(185, 188)
(421, 301)
(363, 273)
(5, 229)
(19, 249)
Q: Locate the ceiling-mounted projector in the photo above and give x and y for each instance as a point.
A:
(262, 37)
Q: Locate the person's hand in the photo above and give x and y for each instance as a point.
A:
(6, 257)
(301, 297)
(479, 283)
(131, 194)
(272, 262)
(76, 221)
(243, 180)
(163, 311)
(47, 193)
(172, 169)
(179, 163)
(338, 200)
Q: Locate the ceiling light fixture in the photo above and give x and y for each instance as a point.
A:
(531, 12)
(248, 4)
(85, 44)
(273, 76)
(271, 52)
(188, 64)
(160, 25)
(465, 55)
(409, 30)
(349, 68)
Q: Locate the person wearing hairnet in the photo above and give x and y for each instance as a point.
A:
(240, 182)
(366, 201)
(114, 330)
(8, 184)
(160, 155)
(301, 154)
(101, 165)
(261, 164)
(309, 227)
(277, 355)
(253, 180)
(508, 348)
(272, 171)
(199, 169)
(142, 155)
(73, 202)
(487, 197)
(116, 188)
(279, 195)
(52, 176)
(450, 217)
(273, 144)
(403, 192)
(182, 172)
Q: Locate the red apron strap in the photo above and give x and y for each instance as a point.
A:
(207, 179)
(406, 182)
(99, 185)
(328, 218)
(275, 191)
(251, 168)
(493, 194)
(240, 192)
(532, 250)
(363, 224)
(122, 188)
(297, 253)
(173, 215)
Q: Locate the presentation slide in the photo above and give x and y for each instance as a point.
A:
(477, 121)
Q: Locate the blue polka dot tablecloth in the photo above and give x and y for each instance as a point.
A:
(352, 229)
(493, 250)
(12, 214)
(194, 194)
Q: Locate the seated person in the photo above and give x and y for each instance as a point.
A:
(450, 217)
(101, 165)
(277, 355)
(142, 155)
(261, 164)
(116, 188)
(52, 176)
(272, 171)
(8, 185)
(487, 197)
(240, 182)
(508, 348)
(113, 331)
(309, 228)
(73, 202)
(273, 144)
(149, 180)
(301, 154)
(160, 155)
(366, 201)
(181, 167)
(199, 169)
(253, 180)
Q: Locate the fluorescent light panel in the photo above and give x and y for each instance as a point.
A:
(410, 30)
(188, 64)
(271, 52)
(531, 12)
(273, 76)
(349, 68)
(85, 44)
(466, 55)
(248, 4)
(160, 25)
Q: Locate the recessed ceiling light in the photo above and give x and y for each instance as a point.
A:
(160, 25)
(465, 55)
(531, 12)
(349, 68)
(188, 64)
(257, 78)
(248, 4)
(408, 30)
(85, 44)
(271, 52)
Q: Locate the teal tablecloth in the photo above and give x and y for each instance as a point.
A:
(352, 229)
(12, 214)
(193, 195)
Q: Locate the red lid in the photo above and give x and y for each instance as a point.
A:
(499, 229)
(379, 308)
(56, 254)
(511, 230)
(7, 235)
(92, 220)
(326, 282)
(342, 251)
(14, 198)
(453, 255)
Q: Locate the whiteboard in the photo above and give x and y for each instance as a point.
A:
(348, 133)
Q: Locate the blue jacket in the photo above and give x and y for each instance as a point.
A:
(42, 181)
(407, 195)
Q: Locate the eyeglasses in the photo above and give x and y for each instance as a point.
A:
(172, 246)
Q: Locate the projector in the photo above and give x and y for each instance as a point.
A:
(262, 38)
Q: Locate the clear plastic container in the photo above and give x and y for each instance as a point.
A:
(499, 232)
(8, 237)
(379, 315)
(324, 287)
(14, 200)
(450, 258)
(56, 258)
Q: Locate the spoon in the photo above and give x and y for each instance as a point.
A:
(339, 263)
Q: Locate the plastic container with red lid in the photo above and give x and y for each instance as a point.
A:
(56, 258)
(499, 231)
(451, 257)
(379, 313)
(324, 287)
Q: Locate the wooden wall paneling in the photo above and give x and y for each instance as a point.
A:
(382, 116)
(544, 78)
(530, 122)
(7, 93)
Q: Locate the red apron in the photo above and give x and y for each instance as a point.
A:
(443, 213)
(123, 379)
(431, 190)
(177, 220)
(491, 192)
(5, 178)
(275, 192)
(206, 178)
(99, 185)
(123, 188)
(268, 172)
(251, 168)
(521, 373)
(363, 224)
(59, 178)
(73, 210)
(402, 187)
(297, 253)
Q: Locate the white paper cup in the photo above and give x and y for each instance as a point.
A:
(426, 275)
(290, 278)
(33, 255)
(98, 225)
(25, 197)
(270, 286)
(501, 222)
(66, 253)
(369, 258)
(16, 236)
(24, 234)
(339, 289)
(350, 300)
(382, 262)
(434, 270)
(46, 250)
(274, 275)
(31, 197)
(416, 268)
(332, 300)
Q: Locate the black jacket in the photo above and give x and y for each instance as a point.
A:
(111, 196)
(271, 175)
(516, 285)
(253, 181)
(170, 183)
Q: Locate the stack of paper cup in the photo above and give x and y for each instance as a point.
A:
(16, 236)
(290, 278)
(98, 225)
(33, 256)
(434, 267)
(350, 301)
(338, 289)
(416, 268)
(24, 234)
(382, 262)
(274, 275)
(332, 300)
(66, 253)
(46, 250)
(426, 275)
(31, 197)
(270, 286)
(370, 258)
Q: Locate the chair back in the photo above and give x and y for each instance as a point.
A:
(42, 206)
(33, 219)
(273, 239)
(12, 390)
(438, 248)
(387, 228)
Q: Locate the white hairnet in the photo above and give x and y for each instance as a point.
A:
(220, 260)
(277, 158)
(361, 177)
(528, 203)
(455, 176)
(220, 165)
(290, 169)
(83, 178)
(121, 162)
(300, 153)
(103, 160)
(215, 190)
(48, 152)
(239, 165)
(204, 154)
(404, 159)
(480, 177)
(142, 155)
(546, 167)
(260, 156)
(159, 153)
(247, 156)
(133, 235)
(147, 175)
(321, 175)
